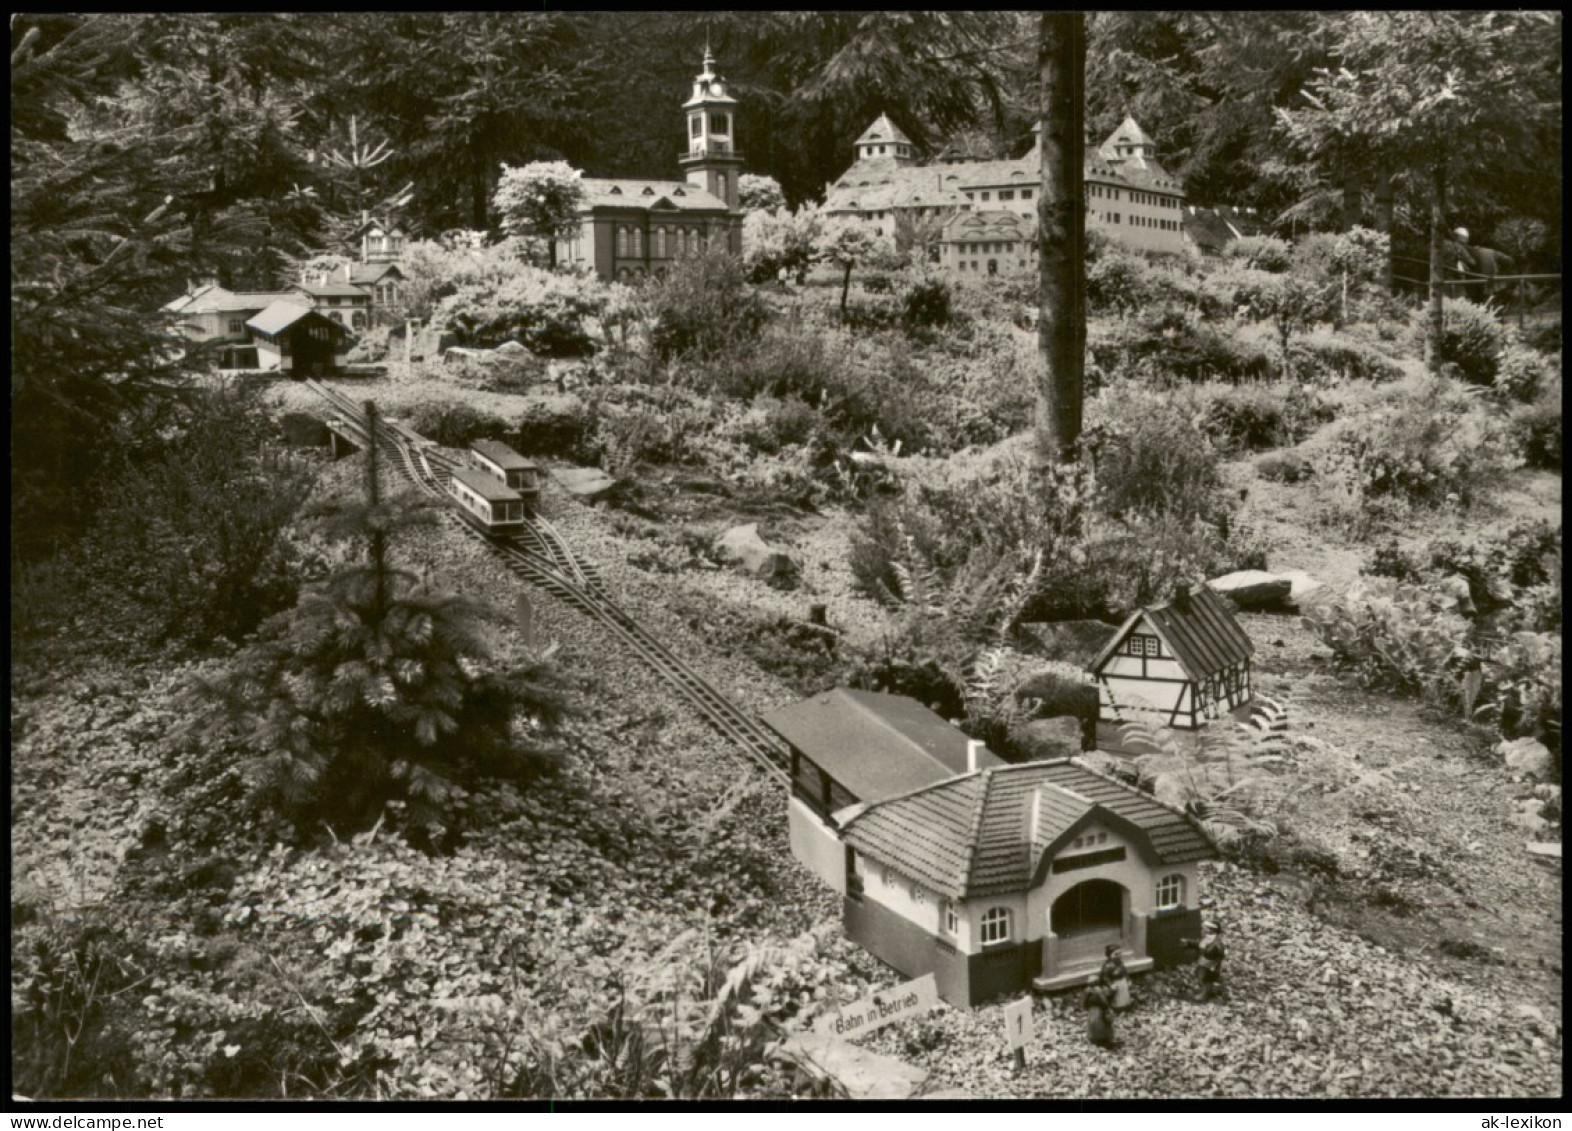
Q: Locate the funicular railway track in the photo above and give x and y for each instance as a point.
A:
(540, 556)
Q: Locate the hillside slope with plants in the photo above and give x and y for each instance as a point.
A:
(598, 899)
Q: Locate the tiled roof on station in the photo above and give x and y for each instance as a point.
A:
(974, 835)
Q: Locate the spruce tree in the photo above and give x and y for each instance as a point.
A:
(377, 688)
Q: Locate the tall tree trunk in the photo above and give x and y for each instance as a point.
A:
(1351, 203)
(377, 545)
(845, 288)
(1061, 235)
(479, 183)
(1437, 267)
(1383, 221)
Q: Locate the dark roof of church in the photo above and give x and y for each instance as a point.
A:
(606, 192)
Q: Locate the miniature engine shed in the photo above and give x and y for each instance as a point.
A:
(1180, 665)
(994, 878)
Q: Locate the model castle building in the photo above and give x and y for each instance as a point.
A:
(1129, 195)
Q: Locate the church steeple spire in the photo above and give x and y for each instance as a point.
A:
(712, 161)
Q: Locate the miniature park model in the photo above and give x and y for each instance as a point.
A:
(1000, 878)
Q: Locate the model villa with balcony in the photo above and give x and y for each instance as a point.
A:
(994, 878)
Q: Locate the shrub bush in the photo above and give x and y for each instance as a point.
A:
(1472, 339)
(1253, 417)
(1283, 467)
(566, 432)
(73, 1034)
(1537, 428)
(878, 312)
(545, 311)
(704, 306)
(1328, 358)
(925, 305)
(1391, 635)
(1428, 444)
(453, 423)
(1181, 351)
(1118, 283)
(1525, 689)
(1523, 373)
(194, 548)
(1261, 253)
(1151, 455)
(1544, 336)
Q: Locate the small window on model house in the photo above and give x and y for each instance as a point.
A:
(949, 921)
(1170, 892)
(996, 925)
(237, 326)
(695, 126)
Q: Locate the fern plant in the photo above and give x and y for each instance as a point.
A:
(1230, 777)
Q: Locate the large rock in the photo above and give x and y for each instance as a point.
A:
(744, 546)
(859, 1072)
(1526, 756)
(1071, 641)
(1257, 591)
(1530, 817)
(585, 482)
(1042, 739)
(1455, 594)
(1254, 590)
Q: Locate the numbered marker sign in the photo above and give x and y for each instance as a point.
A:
(1018, 1023)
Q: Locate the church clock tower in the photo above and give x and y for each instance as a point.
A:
(711, 160)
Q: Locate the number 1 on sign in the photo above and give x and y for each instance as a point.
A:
(1018, 1024)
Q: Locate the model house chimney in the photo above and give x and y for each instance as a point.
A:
(324, 280)
(1181, 599)
(973, 748)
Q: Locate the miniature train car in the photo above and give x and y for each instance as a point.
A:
(503, 463)
(491, 504)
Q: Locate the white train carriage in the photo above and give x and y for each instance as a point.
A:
(491, 504)
(501, 462)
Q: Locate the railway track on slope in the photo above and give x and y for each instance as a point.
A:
(542, 557)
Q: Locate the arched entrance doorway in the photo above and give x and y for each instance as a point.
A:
(1088, 917)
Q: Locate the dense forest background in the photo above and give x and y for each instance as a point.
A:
(151, 150)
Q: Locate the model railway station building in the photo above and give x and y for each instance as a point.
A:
(994, 878)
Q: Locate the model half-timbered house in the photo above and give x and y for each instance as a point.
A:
(1177, 665)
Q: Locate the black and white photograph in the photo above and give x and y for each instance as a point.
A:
(680, 559)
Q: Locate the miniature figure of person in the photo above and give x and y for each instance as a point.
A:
(1212, 955)
(1115, 976)
(1098, 1003)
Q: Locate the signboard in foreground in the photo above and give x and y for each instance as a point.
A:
(909, 999)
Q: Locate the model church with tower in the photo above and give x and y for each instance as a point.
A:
(633, 228)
